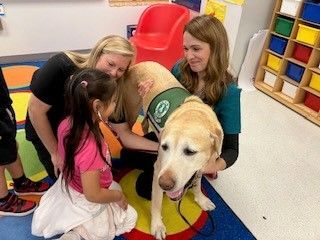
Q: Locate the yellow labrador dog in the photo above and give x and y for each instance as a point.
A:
(190, 134)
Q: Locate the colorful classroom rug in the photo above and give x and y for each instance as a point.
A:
(222, 223)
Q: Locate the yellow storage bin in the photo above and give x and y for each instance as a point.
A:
(315, 82)
(274, 62)
(307, 34)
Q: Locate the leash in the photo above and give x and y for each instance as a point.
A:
(191, 184)
(193, 228)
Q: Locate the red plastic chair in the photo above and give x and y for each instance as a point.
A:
(158, 36)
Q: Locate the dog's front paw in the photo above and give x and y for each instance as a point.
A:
(205, 203)
(158, 230)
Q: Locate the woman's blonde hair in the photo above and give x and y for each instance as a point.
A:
(210, 30)
(110, 44)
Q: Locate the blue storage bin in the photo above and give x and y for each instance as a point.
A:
(311, 11)
(278, 44)
(294, 71)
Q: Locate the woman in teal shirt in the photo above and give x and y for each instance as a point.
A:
(204, 72)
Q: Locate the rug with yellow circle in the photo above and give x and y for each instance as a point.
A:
(222, 223)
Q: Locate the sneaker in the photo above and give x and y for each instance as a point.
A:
(16, 206)
(29, 187)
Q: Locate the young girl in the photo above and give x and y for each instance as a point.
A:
(85, 202)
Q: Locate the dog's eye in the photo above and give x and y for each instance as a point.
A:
(164, 147)
(189, 152)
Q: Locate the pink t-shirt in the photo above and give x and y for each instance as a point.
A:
(87, 158)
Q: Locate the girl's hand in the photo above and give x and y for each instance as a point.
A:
(144, 87)
(57, 163)
(123, 203)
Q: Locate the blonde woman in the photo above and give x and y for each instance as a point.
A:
(46, 109)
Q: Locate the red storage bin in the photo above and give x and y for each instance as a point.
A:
(312, 101)
(301, 52)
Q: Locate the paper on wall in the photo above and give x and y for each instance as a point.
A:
(250, 63)
(215, 8)
(238, 2)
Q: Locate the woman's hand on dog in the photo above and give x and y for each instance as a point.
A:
(214, 165)
(144, 87)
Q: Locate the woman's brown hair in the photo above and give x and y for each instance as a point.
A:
(210, 30)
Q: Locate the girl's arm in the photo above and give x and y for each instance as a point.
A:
(131, 140)
(93, 191)
(37, 111)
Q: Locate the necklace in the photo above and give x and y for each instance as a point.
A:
(200, 90)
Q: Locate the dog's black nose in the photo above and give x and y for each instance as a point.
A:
(167, 182)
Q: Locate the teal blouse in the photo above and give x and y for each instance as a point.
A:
(227, 108)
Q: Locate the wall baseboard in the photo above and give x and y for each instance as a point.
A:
(32, 57)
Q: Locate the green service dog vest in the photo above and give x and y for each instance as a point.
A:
(164, 104)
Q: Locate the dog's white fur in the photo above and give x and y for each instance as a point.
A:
(190, 137)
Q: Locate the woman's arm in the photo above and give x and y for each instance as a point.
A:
(229, 154)
(230, 149)
(131, 140)
(37, 111)
(93, 191)
(228, 113)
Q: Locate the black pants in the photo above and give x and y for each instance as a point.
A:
(143, 161)
(44, 157)
(8, 128)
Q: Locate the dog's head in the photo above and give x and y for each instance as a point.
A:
(191, 135)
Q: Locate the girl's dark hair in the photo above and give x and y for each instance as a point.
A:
(82, 89)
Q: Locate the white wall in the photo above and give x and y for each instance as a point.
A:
(42, 26)
(45, 26)
(231, 21)
(256, 15)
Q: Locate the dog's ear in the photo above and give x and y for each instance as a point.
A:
(217, 139)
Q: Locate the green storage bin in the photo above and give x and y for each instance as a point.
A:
(283, 26)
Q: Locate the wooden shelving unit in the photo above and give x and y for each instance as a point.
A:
(276, 90)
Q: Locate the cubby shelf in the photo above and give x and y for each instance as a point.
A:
(291, 59)
(292, 77)
(311, 90)
(279, 35)
(308, 22)
(289, 80)
(316, 70)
